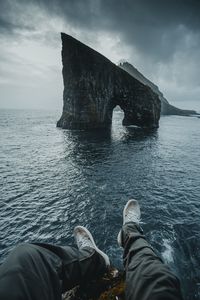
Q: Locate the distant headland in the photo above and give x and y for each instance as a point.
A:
(166, 107)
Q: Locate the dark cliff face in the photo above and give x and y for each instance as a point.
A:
(93, 86)
(166, 107)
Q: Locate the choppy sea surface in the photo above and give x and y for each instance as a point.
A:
(53, 179)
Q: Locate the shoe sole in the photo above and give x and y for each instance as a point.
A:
(119, 238)
(105, 256)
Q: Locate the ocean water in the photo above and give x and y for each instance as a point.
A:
(54, 179)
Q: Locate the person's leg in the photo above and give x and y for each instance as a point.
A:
(30, 272)
(147, 277)
(43, 271)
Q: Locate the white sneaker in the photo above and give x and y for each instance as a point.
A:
(84, 239)
(131, 213)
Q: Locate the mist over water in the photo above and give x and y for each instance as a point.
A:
(54, 179)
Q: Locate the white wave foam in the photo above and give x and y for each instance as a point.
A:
(133, 126)
(167, 254)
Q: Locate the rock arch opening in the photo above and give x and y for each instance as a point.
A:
(117, 116)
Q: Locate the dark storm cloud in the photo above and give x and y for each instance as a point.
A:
(153, 26)
(6, 26)
(13, 18)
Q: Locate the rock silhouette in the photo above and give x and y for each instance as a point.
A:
(94, 86)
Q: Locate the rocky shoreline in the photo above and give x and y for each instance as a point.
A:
(109, 287)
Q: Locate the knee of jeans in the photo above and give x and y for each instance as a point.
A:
(23, 248)
(23, 252)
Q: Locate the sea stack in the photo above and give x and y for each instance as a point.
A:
(94, 86)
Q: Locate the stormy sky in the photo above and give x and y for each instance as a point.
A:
(161, 38)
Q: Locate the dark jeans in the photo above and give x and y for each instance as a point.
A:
(147, 277)
(43, 271)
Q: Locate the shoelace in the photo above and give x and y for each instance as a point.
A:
(131, 217)
(84, 241)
